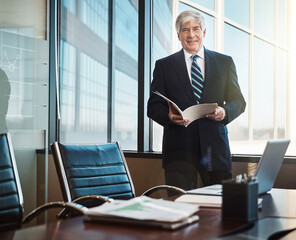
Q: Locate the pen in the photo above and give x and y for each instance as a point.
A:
(245, 178)
(252, 179)
(238, 178)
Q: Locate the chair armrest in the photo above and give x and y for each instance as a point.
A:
(96, 197)
(161, 187)
(66, 205)
(100, 199)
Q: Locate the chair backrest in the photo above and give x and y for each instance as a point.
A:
(92, 170)
(11, 196)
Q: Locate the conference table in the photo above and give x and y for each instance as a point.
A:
(276, 203)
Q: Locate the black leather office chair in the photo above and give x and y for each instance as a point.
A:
(86, 171)
(11, 197)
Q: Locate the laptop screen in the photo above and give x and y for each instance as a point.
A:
(270, 164)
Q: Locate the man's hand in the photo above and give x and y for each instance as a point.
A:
(218, 115)
(175, 117)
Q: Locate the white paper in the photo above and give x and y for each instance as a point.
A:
(194, 112)
(215, 189)
(206, 200)
(201, 200)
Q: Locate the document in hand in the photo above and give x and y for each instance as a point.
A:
(145, 211)
(194, 112)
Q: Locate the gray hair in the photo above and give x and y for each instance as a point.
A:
(187, 16)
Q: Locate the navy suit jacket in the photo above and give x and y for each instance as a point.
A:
(203, 137)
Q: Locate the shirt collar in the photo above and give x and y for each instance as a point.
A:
(201, 54)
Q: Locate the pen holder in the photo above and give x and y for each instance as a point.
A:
(240, 200)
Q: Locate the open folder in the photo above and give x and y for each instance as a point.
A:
(193, 112)
(145, 211)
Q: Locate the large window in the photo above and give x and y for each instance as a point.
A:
(237, 45)
(83, 71)
(125, 80)
(261, 59)
(98, 72)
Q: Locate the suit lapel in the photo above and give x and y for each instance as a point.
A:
(209, 74)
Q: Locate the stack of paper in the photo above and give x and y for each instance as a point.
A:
(201, 200)
(145, 211)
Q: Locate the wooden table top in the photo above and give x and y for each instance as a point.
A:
(278, 203)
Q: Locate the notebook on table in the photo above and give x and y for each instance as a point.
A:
(144, 211)
(267, 170)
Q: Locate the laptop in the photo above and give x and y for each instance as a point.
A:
(267, 170)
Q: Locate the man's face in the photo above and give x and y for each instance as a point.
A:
(191, 36)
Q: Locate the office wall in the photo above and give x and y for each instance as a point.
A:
(148, 172)
(24, 81)
(25, 17)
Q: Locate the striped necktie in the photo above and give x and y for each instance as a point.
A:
(197, 79)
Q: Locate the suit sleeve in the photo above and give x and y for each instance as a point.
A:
(234, 101)
(157, 108)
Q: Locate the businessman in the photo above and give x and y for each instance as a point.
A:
(195, 75)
